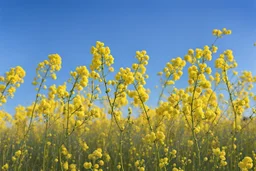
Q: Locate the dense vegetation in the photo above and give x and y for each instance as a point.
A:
(92, 122)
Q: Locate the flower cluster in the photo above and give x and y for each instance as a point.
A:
(226, 61)
(8, 84)
(80, 77)
(48, 68)
(246, 164)
(173, 70)
(220, 33)
(221, 155)
(101, 57)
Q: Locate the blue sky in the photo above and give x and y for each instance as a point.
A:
(30, 30)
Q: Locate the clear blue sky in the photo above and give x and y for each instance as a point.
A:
(30, 30)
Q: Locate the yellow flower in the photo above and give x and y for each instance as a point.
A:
(246, 163)
(101, 162)
(65, 166)
(55, 62)
(18, 153)
(5, 167)
(87, 165)
(118, 167)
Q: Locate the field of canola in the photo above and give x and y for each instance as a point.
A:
(92, 122)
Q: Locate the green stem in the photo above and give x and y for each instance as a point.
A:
(121, 150)
(45, 146)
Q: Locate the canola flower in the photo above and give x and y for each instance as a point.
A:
(10, 82)
(99, 119)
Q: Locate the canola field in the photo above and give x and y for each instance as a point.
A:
(100, 119)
